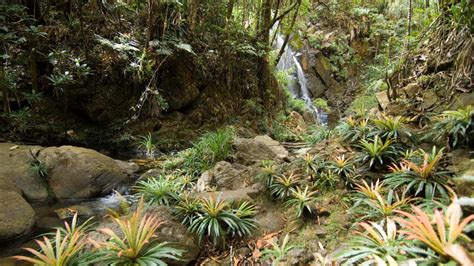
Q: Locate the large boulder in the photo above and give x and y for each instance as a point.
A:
(73, 172)
(17, 218)
(79, 173)
(252, 151)
(15, 168)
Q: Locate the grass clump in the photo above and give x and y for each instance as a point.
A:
(211, 148)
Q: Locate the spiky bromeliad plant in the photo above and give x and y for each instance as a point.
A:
(425, 177)
(344, 167)
(159, 190)
(281, 187)
(187, 210)
(376, 245)
(302, 201)
(379, 208)
(65, 247)
(388, 127)
(269, 171)
(326, 180)
(376, 152)
(137, 243)
(277, 252)
(217, 219)
(454, 127)
(441, 233)
(353, 129)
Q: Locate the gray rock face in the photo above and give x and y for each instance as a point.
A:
(16, 216)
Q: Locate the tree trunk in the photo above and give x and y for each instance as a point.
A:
(33, 8)
(410, 10)
(6, 102)
(287, 37)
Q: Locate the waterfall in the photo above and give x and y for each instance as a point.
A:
(289, 62)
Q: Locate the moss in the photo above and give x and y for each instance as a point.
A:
(363, 103)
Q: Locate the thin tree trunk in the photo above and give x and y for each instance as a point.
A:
(410, 10)
(6, 102)
(287, 37)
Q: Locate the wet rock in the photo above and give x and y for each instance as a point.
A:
(79, 173)
(226, 176)
(16, 216)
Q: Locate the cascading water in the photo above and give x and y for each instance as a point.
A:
(289, 62)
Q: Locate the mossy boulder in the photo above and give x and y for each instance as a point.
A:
(17, 217)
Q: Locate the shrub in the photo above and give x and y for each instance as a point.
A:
(318, 134)
(454, 127)
(283, 184)
(137, 243)
(425, 177)
(376, 152)
(65, 247)
(159, 190)
(301, 200)
(440, 237)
